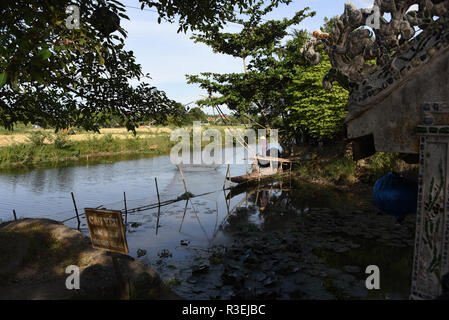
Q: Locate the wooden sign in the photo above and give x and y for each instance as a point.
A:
(106, 230)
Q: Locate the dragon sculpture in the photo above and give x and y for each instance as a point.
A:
(394, 61)
(369, 61)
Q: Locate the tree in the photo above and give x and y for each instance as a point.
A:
(280, 87)
(196, 114)
(260, 88)
(55, 76)
(316, 112)
(205, 15)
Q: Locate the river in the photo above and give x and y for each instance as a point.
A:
(179, 238)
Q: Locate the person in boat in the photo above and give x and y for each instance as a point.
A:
(270, 150)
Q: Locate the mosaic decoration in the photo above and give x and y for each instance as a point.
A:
(375, 64)
(370, 63)
(432, 220)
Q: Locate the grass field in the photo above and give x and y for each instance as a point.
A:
(22, 135)
(27, 147)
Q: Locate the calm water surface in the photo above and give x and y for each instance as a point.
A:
(164, 235)
(46, 193)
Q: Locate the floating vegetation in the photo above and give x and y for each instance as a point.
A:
(173, 282)
(165, 254)
(141, 252)
(135, 224)
(185, 196)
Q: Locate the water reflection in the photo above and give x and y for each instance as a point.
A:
(338, 229)
(343, 230)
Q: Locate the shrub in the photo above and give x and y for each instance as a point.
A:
(379, 165)
(108, 138)
(37, 138)
(341, 170)
(61, 141)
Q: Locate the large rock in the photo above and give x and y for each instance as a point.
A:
(35, 253)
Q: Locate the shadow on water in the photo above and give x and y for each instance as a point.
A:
(282, 240)
(305, 241)
(92, 161)
(394, 264)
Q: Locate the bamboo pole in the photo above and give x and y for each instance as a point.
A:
(257, 195)
(216, 219)
(182, 176)
(199, 221)
(157, 190)
(226, 177)
(76, 210)
(158, 216)
(185, 210)
(227, 205)
(159, 205)
(126, 209)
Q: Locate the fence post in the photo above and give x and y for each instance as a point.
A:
(183, 216)
(158, 205)
(14, 213)
(158, 216)
(182, 176)
(126, 209)
(76, 210)
(226, 177)
(157, 190)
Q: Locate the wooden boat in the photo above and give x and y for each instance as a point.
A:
(254, 176)
(259, 173)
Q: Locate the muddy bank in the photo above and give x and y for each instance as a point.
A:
(34, 254)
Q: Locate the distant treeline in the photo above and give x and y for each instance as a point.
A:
(184, 117)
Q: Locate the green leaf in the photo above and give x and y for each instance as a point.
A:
(100, 57)
(45, 54)
(3, 78)
(15, 82)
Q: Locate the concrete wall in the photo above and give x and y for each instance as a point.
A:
(393, 116)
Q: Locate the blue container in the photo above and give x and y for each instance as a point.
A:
(396, 195)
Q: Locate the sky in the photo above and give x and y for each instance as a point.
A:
(168, 56)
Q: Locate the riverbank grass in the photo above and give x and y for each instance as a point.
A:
(32, 148)
(334, 164)
(63, 149)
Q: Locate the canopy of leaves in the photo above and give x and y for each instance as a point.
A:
(280, 85)
(204, 15)
(316, 112)
(262, 88)
(55, 76)
(196, 114)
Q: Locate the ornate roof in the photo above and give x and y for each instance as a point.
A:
(371, 63)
